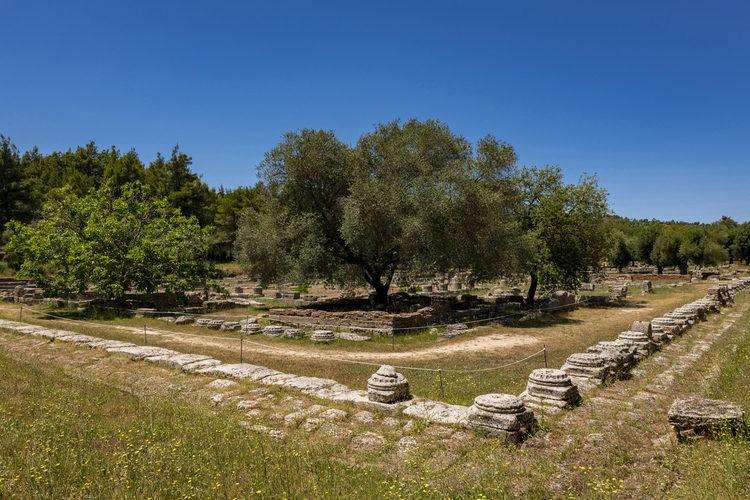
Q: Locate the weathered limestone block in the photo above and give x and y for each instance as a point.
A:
(680, 319)
(257, 290)
(290, 296)
(659, 336)
(215, 324)
(453, 330)
(639, 340)
(587, 365)
(184, 320)
(249, 321)
(647, 287)
(667, 324)
(642, 327)
(706, 416)
(203, 322)
(550, 390)
(501, 415)
(353, 337)
(322, 336)
(230, 326)
(273, 331)
(294, 333)
(387, 386)
(251, 329)
(617, 356)
(144, 312)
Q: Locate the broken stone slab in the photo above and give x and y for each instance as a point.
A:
(249, 321)
(244, 371)
(353, 337)
(251, 329)
(308, 385)
(230, 326)
(184, 320)
(322, 336)
(215, 324)
(137, 353)
(550, 390)
(203, 322)
(387, 386)
(435, 411)
(618, 357)
(587, 365)
(294, 333)
(273, 331)
(638, 340)
(299, 415)
(104, 344)
(706, 416)
(145, 312)
(501, 415)
(642, 327)
(453, 330)
(177, 361)
(667, 324)
(76, 339)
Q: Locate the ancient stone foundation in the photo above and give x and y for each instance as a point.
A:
(501, 415)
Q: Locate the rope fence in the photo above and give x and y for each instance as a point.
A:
(298, 353)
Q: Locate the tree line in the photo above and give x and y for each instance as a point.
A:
(407, 196)
(31, 179)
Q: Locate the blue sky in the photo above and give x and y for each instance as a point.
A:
(654, 97)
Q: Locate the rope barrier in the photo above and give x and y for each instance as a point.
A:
(312, 355)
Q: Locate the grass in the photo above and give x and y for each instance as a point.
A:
(65, 436)
(563, 333)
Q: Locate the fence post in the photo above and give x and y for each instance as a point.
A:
(544, 348)
(440, 375)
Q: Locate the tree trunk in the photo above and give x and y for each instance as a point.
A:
(683, 268)
(659, 270)
(532, 290)
(381, 289)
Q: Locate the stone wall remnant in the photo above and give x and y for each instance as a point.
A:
(387, 386)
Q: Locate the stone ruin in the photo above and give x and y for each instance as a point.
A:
(617, 356)
(588, 365)
(322, 336)
(294, 333)
(230, 326)
(689, 416)
(639, 342)
(251, 329)
(647, 287)
(273, 331)
(501, 415)
(387, 386)
(184, 320)
(453, 330)
(550, 390)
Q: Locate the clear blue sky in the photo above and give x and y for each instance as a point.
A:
(652, 96)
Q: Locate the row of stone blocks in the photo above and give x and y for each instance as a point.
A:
(552, 390)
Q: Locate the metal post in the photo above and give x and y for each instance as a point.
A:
(440, 374)
(145, 341)
(240, 347)
(544, 348)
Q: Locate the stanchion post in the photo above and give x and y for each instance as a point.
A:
(544, 348)
(440, 375)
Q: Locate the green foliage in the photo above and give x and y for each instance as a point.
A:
(679, 245)
(566, 223)
(408, 194)
(114, 239)
(229, 206)
(623, 251)
(740, 246)
(14, 192)
(303, 289)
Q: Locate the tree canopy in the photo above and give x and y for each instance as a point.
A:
(114, 239)
(410, 194)
(566, 224)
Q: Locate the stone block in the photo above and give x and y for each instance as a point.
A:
(387, 386)
(184, 320)
(230, 326)
(587, 365)
(294, 333)
(501, 415)
(322, 336)
(706, 416)
(550, 389)
(273, 331)
(251, 329)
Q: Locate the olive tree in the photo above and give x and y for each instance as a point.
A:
(566, 225)
(114, 240)
(410, 195)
